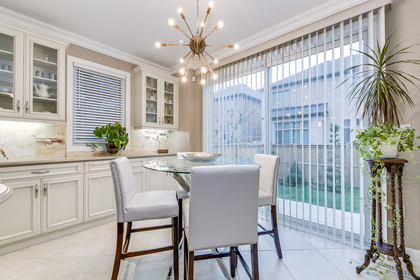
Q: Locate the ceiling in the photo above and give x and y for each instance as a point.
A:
(133, 26)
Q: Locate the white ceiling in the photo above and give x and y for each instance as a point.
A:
(133, 26)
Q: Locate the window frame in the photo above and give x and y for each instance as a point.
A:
(100, 68)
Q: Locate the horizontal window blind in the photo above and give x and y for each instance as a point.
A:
(98, 99)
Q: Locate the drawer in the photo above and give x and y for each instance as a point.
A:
(37, 171)
(94, 166)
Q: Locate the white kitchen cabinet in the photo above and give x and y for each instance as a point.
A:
(156, 101)
(157, 180)
(99, 196)
(34, 87)
(45, 198)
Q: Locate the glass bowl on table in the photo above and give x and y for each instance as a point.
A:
(200, 157)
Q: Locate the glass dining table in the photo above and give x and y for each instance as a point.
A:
(180, 168)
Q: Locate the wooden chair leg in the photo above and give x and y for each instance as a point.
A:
(179, 219)
(185, 257)
(175, 241)
(117, 261)
(254, 262)
(191, 265)
(127, 237)
(276, 231)
(233, 262)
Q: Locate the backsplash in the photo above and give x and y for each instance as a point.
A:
(32, 141)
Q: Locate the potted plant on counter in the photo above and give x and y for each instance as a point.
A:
(116, 136)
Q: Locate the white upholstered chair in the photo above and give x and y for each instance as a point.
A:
(268, 193)
(221, 212)
(133, 206)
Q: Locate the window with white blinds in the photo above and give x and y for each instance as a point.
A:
(97, 95)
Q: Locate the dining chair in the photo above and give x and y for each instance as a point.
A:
(221, 213)
(268, 194)
(181, 194)
(133, 206)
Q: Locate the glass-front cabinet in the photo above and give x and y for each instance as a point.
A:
(34, 87)
(157, 100)
(45, 77)
(11, 72)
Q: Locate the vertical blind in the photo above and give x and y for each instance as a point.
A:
(290, 101)
(98, 99)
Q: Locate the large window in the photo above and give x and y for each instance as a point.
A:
(290, 101)
(97, 95)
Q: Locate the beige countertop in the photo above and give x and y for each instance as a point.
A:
(94, 156)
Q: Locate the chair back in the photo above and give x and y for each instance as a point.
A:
(223, 206)
(124, 187)
(269, 174)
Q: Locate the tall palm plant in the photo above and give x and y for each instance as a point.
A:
(379, 89)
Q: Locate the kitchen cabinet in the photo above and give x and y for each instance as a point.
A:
(156, 180)
(34, 87)
(45, 198)
(99, 197)
(156, 101)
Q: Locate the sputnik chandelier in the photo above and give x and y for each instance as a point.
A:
(197, 45)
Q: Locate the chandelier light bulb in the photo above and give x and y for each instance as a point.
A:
(215, 77)
(182, 71)
(182, 60)
(184, 79)
(203, 82)
(158, 44)
(203, 70)
(215, 61)
(220, 24)
(211, 4)
(179, 10)
(236, 46)
(202, 24)
(171, 22)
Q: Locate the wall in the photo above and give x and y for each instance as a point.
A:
(402, 20)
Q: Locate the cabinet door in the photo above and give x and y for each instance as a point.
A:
(11, 73)
(170, 104)
(62, 202)
(151, 100)
(45, 94)
(99, 196)
(20, 214)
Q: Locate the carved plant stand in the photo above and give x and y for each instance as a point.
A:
(393, 167)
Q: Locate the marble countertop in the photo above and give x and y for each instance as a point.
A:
(94, 156)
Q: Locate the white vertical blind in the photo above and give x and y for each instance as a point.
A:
(287, 101)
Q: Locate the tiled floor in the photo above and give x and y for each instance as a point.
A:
(89, 255)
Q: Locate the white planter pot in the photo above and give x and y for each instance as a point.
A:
(388, 150)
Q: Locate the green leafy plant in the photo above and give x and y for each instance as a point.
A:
(368, 141)
(379, 89)
(114, 134)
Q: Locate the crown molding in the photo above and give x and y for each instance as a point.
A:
(30, 25)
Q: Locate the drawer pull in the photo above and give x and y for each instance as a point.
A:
(45, 190)
(40, 172)
(36, 191)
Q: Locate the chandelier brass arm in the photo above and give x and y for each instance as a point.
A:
(197, 45)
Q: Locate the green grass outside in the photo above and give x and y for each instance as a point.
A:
(295, 194)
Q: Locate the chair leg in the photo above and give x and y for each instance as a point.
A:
(276, 231)
(233, 262)
(191, 265)
(254, 262)
(127, 236)
(179, 220)
(117, 261)
(185, 256)
(175, 241)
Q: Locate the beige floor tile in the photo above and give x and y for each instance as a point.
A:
(59, 268)
(101, 267)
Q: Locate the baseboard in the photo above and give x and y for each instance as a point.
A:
(21, 244)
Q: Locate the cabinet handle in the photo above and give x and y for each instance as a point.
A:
(27, 106)
(45, 190)
(40, 172)
(18, 106)
(36, 191)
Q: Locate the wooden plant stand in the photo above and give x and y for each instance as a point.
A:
(393, 167)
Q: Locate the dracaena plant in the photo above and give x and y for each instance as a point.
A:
(114, 134)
